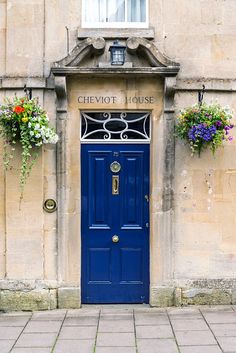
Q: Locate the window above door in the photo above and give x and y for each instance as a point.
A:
(115, 14)
(115, 127)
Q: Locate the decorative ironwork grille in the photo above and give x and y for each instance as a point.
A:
(115, 126)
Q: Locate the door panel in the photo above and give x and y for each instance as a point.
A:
(115, 272)
(99, 201)
(132, 188)
(131, 265)
(101, 273)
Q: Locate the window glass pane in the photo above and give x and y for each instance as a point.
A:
(136, 10)
(115, 10)
(95, 11)
(112, 126)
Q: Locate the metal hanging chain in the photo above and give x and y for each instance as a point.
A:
(201, 95)
(28, 92)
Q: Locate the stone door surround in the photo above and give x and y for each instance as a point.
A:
(160, 67)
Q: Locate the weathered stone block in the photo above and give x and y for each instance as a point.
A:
(234, 297)
(162, 296)
(206, 296)
(69, 298)
(178, 297)
(28, 300)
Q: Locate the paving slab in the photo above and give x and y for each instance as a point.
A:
(81, 321)
(42, 326)
(6, 345)
(16, 313)
(157, 346)
(78, 332)
(11, 321)
(83, 312)
(150, 310)
(191, 324)
(184, 313)
(10, 333)
(228, 344)
(116, 316)
(75, 346)
(31, 350)
(115, 350)
(114, 330)
(221, 330)
(188, 338)
(220, 317)
(116, 325)
(35, 340)
(116, 311)
(158, 331)
(52, 315)
(151, 319)
(218, 308)
(115, 340)
(200, 349)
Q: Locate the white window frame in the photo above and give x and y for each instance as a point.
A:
(124, 24)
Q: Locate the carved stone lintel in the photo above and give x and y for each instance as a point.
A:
(154, 56)
(83, 49)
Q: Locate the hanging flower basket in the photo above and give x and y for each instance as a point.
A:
(203, 126)
(23, 121)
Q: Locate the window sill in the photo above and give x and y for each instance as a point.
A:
(116, 32)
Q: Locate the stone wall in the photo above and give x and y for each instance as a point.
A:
(201, 36)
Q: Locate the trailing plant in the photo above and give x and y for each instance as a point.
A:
(23, 121)
(203, 126)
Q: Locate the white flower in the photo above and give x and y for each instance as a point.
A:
(39, 143)
(54, 139)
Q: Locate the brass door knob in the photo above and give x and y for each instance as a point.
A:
(115, 239)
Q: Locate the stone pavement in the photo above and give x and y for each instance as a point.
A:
(120, 329)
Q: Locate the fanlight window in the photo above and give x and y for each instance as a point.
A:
(115, 126)
(115, 13)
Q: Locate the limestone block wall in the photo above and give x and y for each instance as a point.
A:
(198, 34)
(201, 36)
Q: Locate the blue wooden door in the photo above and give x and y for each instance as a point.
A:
(115, 224)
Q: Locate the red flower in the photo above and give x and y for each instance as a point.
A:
(18, 109)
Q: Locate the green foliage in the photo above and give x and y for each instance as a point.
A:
(23, 121)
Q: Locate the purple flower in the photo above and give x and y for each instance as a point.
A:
(202, 131)
(230, 138)
(228, 127)
(218, 123)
